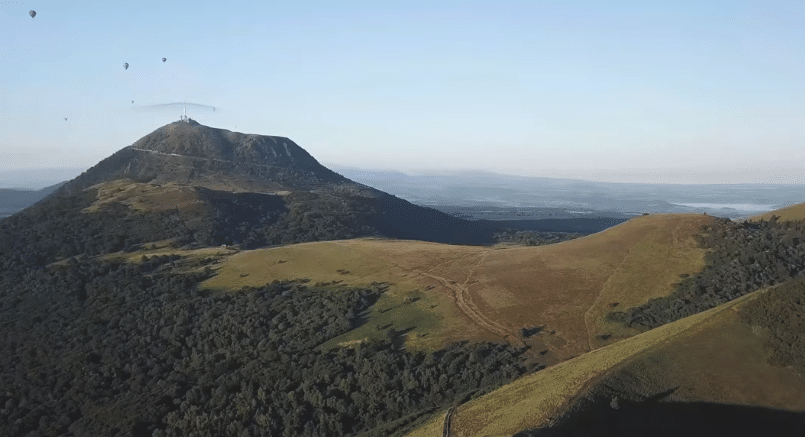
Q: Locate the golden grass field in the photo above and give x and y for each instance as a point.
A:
(568, 287)
(444, 293)
(489, 293)
(532, 401)
(789, 213)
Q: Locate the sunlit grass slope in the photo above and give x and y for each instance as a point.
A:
(570, 286)
(721, 360)
(533, 400)
(440, 293)
(789, 213)
(412, 303)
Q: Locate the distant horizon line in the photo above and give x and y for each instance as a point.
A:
(44, 181)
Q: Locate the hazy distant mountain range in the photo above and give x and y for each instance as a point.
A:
(490, 195)
(480, 190)
(13, 200)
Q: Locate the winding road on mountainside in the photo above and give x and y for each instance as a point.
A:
(199, 157)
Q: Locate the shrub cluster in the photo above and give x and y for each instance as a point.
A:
(254, 220)
(534, 238)
(742, 257)
(106, 348)
(781, 311)
(57, 228)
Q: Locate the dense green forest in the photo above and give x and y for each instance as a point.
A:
(56, 227)
(781, 312)
(535, 238)
(106, 348)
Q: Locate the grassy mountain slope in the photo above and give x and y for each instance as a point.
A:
(559, 293)
(720, 356)
(741, 371)
(789, 213)
(535, 399)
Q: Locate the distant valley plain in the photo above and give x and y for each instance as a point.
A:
(493, 196)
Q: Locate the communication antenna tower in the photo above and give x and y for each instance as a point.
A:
(182, 105)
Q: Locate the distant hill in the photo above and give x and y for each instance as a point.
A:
(13, 200)
(481, 193)
(34, 179)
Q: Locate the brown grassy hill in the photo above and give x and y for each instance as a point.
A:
(789, 213)
(739, 372)
(736, 368)
(559, 293)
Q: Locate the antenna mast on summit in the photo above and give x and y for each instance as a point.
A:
(184, 106)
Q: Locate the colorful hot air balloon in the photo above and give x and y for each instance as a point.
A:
(32, 13)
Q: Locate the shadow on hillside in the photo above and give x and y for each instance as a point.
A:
(660, 419)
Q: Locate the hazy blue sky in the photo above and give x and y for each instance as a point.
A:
(653, 91)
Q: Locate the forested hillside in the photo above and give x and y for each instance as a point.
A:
(98, 346)
(743, 257)
(109, 348)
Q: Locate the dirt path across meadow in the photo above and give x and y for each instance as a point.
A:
(464, 302)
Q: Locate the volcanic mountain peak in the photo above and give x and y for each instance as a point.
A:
(196, 140)
(190, 153)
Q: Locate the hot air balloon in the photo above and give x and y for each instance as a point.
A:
(32, 13)
(132, 102)
(164, 59)
(126, 65)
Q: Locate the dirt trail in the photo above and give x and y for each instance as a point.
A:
(673, 244)
(446, 426)
(586, 317)
(465, 304)
(462, 297)
(196, 157)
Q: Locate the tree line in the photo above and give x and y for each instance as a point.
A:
(741, 258)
